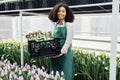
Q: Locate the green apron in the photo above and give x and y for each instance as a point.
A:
(65, 62)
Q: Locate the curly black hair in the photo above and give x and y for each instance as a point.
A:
(53, 13)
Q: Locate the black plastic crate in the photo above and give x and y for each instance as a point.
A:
(99, 1)
(44, 48)
(51, 3)
(2, 7)
(28, 4)
(11, 6)
(78, 2)
(63, 1)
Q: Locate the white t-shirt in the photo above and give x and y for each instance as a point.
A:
(69, 36)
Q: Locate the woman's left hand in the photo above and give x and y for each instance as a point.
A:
(56, 56)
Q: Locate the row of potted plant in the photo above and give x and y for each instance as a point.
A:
(10, 71)
(88, 65)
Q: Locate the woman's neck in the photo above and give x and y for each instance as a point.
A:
(61, 21)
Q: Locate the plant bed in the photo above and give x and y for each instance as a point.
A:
(10, 71)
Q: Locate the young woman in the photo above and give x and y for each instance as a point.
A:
(62, 15)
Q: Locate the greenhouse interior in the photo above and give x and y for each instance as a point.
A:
(95, 44)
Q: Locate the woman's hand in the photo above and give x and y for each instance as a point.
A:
(56, 56)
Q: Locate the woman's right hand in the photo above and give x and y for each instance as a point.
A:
(56, 56)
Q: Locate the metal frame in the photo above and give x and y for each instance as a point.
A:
(115, 13)
(114, 35)
(84, 11)
(21, 13)
(21, 39)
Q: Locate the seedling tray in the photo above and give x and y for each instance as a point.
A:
(44, 48)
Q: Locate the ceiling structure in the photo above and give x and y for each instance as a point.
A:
(77, 9)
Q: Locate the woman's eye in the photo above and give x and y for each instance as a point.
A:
(61, 11)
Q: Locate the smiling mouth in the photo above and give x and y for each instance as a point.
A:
(60, 15)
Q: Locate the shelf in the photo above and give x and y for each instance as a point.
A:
(77, 9)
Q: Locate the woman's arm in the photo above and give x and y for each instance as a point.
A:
(69, 36)
(68, 41)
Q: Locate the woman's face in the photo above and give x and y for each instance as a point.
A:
(61, 13)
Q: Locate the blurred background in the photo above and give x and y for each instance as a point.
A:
(91, 31)
(91, 43)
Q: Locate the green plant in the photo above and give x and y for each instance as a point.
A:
(88, 65)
